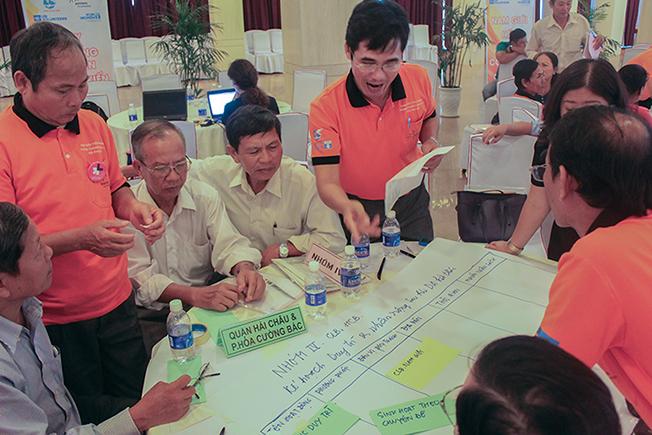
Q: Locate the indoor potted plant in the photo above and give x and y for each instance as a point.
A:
(463, 28)
(189, 46)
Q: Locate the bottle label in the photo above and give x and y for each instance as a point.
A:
(350, 277)
(202, 111)
(181, 342)
(133, 117)
(362, 251)
(391, 239)
(316, 299)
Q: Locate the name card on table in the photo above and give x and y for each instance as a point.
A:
(329, 263)
(254, 334)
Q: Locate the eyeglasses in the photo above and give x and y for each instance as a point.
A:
(391, 66)
(449, 398)
(163, 171)
(538, 171)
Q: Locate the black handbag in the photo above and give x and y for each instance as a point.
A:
(487, 216)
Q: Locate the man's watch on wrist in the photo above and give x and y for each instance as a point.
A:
(283, 250)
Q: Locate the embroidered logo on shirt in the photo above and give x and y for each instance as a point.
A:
(316, 134)
(96, 171)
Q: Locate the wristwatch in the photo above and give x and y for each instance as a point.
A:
(283, 250)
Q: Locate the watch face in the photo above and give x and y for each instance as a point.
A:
(283, 250)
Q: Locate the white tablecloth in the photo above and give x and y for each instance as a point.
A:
(211, 140)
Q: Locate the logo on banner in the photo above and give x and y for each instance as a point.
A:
(49, 4)
(90, 16)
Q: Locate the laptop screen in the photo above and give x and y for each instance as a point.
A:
(169, 104)
(218, 99)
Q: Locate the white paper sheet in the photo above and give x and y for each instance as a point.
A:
(409, 177)
(589, 51)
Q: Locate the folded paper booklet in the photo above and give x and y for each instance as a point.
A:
(409, 177)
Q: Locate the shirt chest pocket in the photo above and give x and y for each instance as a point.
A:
(414, 118)
(97, 183)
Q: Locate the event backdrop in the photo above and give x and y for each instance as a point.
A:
(88, 20)
(502, 17)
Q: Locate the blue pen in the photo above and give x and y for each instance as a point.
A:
(409, 121)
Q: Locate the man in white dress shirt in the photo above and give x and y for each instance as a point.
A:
(200, 239)
(272, 200)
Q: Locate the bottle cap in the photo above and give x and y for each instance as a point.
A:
(349, 250)
(313, 266)
(176, 305)
(423, 242)
(391, 214)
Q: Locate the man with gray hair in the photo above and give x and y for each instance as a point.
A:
(199, 239)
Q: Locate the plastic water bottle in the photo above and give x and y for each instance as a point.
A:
(190, 95)
(315, 293)
(133, 115)
(391, 235)
(362, 251)
(180, 332)
(202, 107)
(350, 276)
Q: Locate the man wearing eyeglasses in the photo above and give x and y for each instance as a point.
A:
(364, 128)
(199, 240)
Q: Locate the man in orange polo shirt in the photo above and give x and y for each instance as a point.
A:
(364, 127)
(59, 164)
(598, 179)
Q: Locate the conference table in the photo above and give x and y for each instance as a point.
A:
(211, 139)
(405, 341)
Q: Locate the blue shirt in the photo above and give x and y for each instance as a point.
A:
(33, 396)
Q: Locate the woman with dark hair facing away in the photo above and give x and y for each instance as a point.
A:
(245, 81)
(549, 62)
(635, 78)
(523, 385)
(584, 83)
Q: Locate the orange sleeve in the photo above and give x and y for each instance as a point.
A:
(7, 191)
(583, 317)
(431, 103)
(323, 129)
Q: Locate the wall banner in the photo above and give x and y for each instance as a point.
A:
(88, 20)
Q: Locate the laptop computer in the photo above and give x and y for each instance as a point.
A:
(217, 100)
(167, 104)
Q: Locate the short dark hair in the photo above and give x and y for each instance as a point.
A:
(248, 121)
(525, 385)
(152, 128)
(31, 49)
(517, 34)
(550, 55)
(523, 70)
(634, 78)
(608, 152)
(13, 225)
(380, 23)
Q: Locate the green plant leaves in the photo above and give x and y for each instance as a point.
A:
(190, 45)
